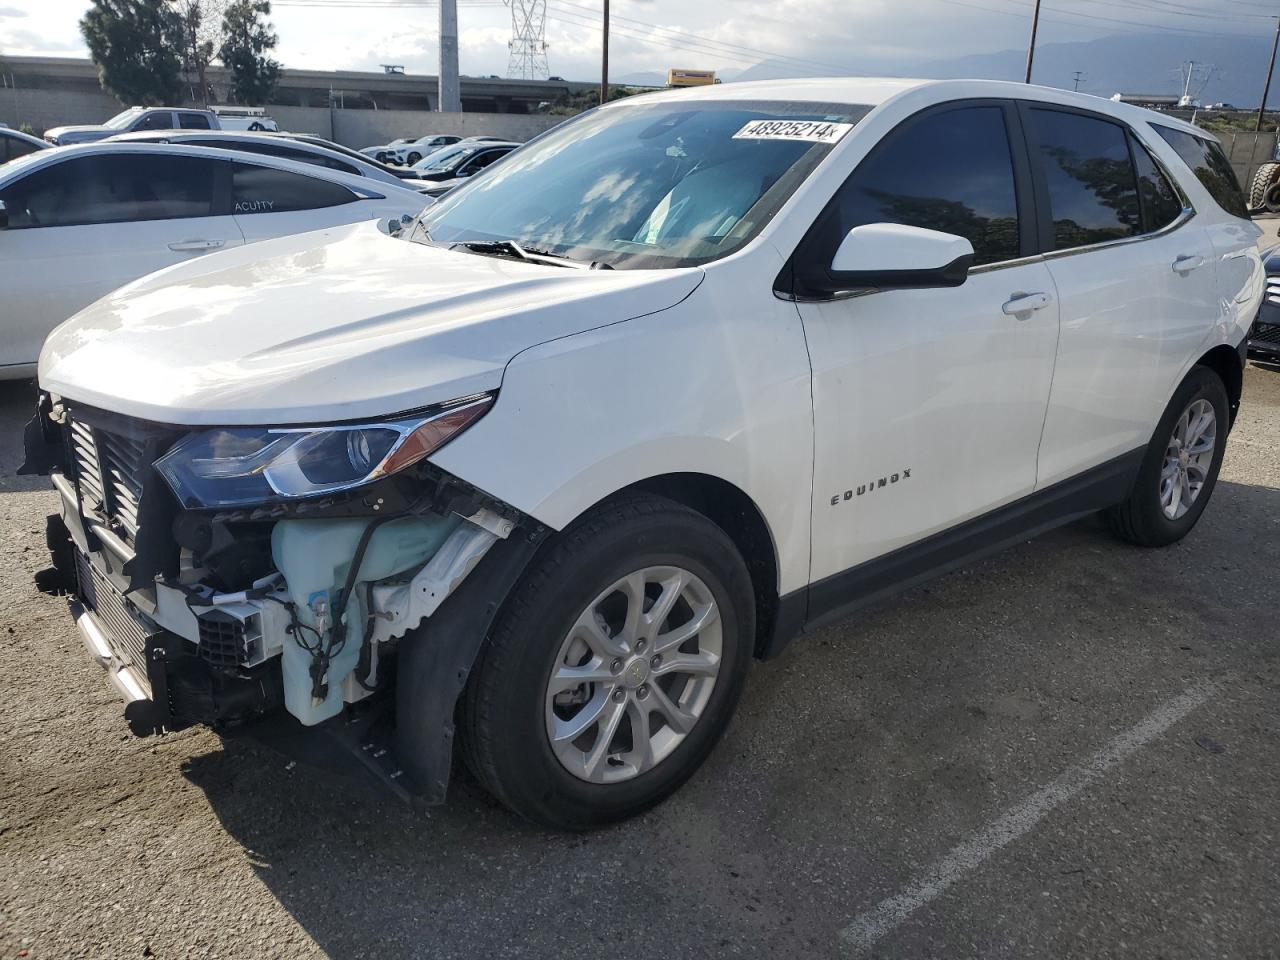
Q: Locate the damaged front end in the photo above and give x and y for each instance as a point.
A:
(223, 576)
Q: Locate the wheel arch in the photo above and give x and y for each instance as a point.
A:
(1228, 363)
(734, 512)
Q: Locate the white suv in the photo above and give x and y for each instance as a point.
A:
(672, 384)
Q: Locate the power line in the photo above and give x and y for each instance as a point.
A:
(685, 35)
(705, 47)
(1026, 12)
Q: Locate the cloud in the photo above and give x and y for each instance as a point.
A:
(31, 44)
(11, 13)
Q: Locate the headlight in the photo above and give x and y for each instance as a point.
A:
(239, 466)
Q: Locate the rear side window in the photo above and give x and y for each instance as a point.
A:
(1160, 202)
(193, 121)
(1211, 167)
(1093, 195)
(111, 189)
(11, 148)
(280, 150)
(266, 190)
(949, 171)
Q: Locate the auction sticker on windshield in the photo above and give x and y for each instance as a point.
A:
(815, 131)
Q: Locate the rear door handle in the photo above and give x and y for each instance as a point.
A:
(189, 246)
(1022, 305)
(1185, 264)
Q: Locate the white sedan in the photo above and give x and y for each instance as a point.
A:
(78, 222)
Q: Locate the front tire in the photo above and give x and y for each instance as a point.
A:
(614, 668)
(1180, 467)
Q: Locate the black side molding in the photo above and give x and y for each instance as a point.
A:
(838, 595)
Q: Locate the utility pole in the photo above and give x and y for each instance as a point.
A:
(1186, 86)
(1075, 85)
(604, 57)
(1266, 88)
(449, 94)
(1031, 46)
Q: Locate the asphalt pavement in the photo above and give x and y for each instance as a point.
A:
(1071, 749)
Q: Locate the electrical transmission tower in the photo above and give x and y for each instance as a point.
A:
(528, 40)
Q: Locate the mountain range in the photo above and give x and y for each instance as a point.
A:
(1228, 70)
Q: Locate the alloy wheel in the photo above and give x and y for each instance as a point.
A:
(634, 674)
(1188, 458)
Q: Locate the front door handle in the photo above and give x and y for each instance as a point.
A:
(1022, 305)
(1185, 264)
(195, 246)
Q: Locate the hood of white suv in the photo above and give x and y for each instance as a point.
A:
(340, 324)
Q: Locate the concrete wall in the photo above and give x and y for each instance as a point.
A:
(43, 109)
(51, 108)
(364, 128)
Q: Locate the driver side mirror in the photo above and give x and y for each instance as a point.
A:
(888, 256)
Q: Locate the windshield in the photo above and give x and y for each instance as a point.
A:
(121, 120)
(444, 159)
(656, 184)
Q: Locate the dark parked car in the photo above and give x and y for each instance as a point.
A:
(461, 160)
(15, 143)
(1264, 336)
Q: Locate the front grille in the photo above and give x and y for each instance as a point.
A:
(110, 468)
(1265, 333)
(1273, 289)
(126, 631)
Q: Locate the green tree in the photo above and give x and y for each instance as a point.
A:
(246, 39)
(135, 44)
(201, 37)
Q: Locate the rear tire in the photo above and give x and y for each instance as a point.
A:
(526, 724)
(1180, 467)
(414, 158)
(1263, 179)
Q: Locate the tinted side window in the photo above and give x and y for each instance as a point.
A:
(19, 148)
(478, 163)
(1160, 203)
(106, 189)
(949, 171)
(1093, 196)
(280, 150)
(264, 190)
(193, 121)
(159, 120)
(1211, 167)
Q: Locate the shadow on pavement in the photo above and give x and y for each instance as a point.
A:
(17, 404)
(865, 750)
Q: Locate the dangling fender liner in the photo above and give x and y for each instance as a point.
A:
(434, 661)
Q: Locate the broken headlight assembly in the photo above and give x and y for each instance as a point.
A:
(242, 466)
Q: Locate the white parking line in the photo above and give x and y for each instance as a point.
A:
(867, 929)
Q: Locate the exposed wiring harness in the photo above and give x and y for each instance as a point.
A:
(322, 654)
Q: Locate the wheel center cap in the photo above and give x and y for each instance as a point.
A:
(636, 673)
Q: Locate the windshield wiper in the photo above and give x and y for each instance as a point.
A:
(513, 249)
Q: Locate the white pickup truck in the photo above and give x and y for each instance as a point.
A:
(134, 120)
